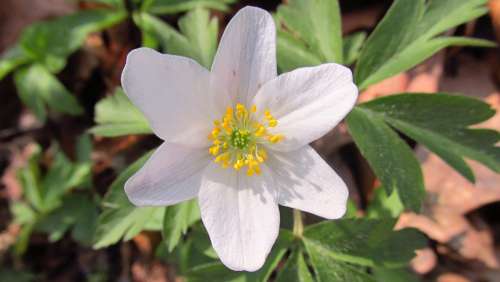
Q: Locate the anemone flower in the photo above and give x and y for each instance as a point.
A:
(236, 136)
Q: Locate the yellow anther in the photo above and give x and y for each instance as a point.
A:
(263, 154)
(214, 150)
(261, 130)
(275, 138)
(253, 109)
(267, 114)
(272, 122)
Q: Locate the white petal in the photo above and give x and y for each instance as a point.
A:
(246, 58)
(307, 102)
(240, 214)
(306, 182)
(171, 91)
(171, 175)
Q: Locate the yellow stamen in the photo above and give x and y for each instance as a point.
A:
(238, 139)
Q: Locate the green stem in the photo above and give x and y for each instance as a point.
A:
(298, 225)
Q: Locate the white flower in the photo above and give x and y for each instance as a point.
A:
(237, 136)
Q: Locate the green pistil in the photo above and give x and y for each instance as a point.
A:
(240, 139)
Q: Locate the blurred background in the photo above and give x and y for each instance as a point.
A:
(461, 219)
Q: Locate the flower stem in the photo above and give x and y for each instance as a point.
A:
(298, 225)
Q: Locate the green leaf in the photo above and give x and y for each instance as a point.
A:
(352, 47)
(201, 32)
(23, 239)
(283, 243)
(177, 6)
(441, 123)
(366, 242)
(383, 206)
(216, 271)
(77, 213)
(51, 42)
(22, 212)
(37, 87)
(293, 53)
(15, 275)
(390, 157)
(328, 269)
(197, 38)
(116, 116)
(29, 177)
(111, 3)
(318, 24)
(62, 176)
(120, 219)
(12, 59)
(295, 269)
(395, 275)
(407, 34)
(177, 220)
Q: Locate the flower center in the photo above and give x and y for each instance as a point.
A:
(238, 139)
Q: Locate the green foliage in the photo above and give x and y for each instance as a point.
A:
(312, 33)
(48, 205)
(37, 88)
(295, 269)
(51, 42)
(409, 34)
(45, 46)
(119, 218)
(12, 59)
(197, 38)
(352, 47)
(441, 123)
(14, 275)
(384, 206)
(366, 242)
(390, 157)
(176, 6)
(177, 219)
(111, 3)
(317, 23)
(116, 116)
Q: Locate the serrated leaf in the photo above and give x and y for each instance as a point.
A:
(177, 6)
(295, 269)
(197, 38)
(390, 157)
(12, 59)
(407, 34)
(441, 123)
(51, 42)
(38, 87)
(119, 218)
(178, 219)
(317, 24)
(116, 116)
(366, 242)
(328, 269)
